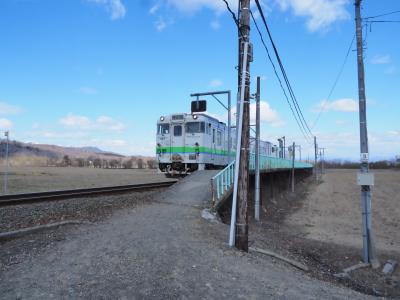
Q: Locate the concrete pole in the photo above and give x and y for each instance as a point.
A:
(6, 171)
(284, 147)
(368, 246)
(293, 157)
(300, 152)
(257, 160)
(315, 158)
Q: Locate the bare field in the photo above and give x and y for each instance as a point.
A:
(39, 179)
(331, 212)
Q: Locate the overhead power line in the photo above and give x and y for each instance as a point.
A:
(383, 21)
(382, 15)
(335, 82)
(277, 75)
(235, 19)
(289, 87)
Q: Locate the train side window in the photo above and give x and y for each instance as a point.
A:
(209, 129)
(213, 136)
(195, 127)
(177, 130)
(219, 138)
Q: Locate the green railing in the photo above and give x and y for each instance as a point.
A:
(222, 182)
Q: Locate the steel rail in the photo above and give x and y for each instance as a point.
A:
(27, 198)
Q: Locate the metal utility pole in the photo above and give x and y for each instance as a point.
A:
(365, 179)
(284, 147)
(315, 158)
(6, 171)
(241, 236)
(257, 160)
(322, 159)
(228, 108)
(299, 146)
(293, 158)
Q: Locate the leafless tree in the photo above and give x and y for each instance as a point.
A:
(140, 163)
(152, 164)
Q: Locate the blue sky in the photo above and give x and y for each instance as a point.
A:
(101, 72)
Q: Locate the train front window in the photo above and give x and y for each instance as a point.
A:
(163, 129)
(195, 127)
(177, 130)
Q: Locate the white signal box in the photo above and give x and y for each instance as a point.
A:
(365, 179)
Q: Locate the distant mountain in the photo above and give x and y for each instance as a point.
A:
(77, 152)
(91, 149)
(42, 154)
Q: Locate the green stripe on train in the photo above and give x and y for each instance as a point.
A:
(189, 150)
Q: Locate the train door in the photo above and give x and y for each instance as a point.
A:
(177, 142)
(213, 145)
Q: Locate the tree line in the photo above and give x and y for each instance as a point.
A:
(96, 162)
(380, 164)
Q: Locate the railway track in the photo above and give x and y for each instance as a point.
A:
(19, 199)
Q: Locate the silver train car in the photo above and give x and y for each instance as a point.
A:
(190, 142)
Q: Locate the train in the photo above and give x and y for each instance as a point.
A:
(187, 142)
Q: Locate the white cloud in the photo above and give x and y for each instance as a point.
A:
(113, 143)
(392, 70)
(215, 25)
(340, 122)
(5, 124)
(192, 6)
(83, 122)
(381, 60)
(110, 123)
(343, 105)
(154, 8)
(160, 24)
(8, 109)
(116, 8)
(394, 133)
(267, 114)
(72, 120)
(88, 91)
(216, 83)
(320, 14)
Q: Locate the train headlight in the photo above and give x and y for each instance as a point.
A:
(159, 149)
(162, 119)
(195, 117)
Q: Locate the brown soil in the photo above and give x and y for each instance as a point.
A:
(321, 227)
(39, 179)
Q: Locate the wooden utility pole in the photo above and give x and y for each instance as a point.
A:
(241, 232)
(365, 179)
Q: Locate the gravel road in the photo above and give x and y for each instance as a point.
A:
(163, 250)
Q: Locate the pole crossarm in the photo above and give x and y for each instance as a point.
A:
(227, 107)
(209, 93)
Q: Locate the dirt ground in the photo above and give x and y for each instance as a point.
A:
(331, 211)
(39, 179)
(159, 249)
(320, 226)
